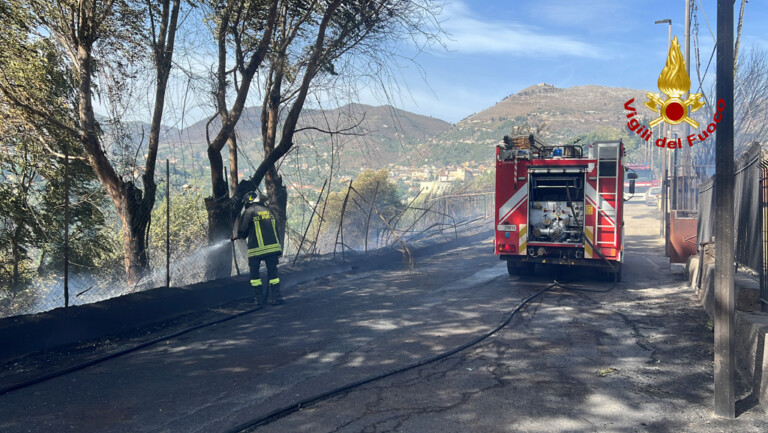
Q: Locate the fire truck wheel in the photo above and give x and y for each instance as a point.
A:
(615, 276)
(511, 268)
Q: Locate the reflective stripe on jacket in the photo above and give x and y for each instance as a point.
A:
(259, 224)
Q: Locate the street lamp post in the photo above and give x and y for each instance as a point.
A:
(687, 157)
(664, 183)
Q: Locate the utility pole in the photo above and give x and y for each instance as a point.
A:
(687, 151)
(674, 171)
(168, 224)
(686, 157)
(66, 224)
(724, 230)
(665, 170)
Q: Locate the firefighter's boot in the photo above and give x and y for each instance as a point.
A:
(258, 293)
(274, 297)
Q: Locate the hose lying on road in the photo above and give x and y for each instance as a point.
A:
(287, 410)
(282, 412)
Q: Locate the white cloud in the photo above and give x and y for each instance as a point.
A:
(468, 34)
(582, 14)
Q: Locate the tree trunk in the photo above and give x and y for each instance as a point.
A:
(135, 220)
(220, 221)
(232, 145)
(126, 197)
(221, 209)
(219, 206)
(278, 202)
(218, 263)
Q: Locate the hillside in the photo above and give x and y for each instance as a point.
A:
(377, 136)
(370, 136)
(566, 113)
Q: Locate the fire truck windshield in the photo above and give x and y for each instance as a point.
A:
(645, 178)
(644, 175)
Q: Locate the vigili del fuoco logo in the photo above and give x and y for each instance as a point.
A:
(673, 82)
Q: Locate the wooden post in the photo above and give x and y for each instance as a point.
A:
(321, 215)
(724, 230)
(341, 223)
(66, 224)
(370, 211)
(168, 224)
(314, 210)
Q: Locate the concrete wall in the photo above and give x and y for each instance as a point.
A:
(751, 324)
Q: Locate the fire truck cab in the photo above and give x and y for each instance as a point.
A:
(645, 179)
(560, 205)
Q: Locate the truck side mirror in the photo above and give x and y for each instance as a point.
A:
(632, 175)
(632, 185)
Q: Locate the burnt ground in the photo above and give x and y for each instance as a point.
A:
(637, 358)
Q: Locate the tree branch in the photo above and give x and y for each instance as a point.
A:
(55, 153)
(40, 114)
(343, 131)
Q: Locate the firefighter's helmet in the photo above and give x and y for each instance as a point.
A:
(254, 197)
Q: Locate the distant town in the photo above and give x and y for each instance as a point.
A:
(428, 178)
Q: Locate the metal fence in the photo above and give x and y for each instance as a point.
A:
(750, 214)
(187, 261)
(763, 233)
(422, 217)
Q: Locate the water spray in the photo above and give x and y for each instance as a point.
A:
(234, 256)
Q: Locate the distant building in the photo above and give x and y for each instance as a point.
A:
(434, 187)
(460, 174)
(421, 174)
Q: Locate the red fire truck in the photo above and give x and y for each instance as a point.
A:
(644, 180)
(560, 204)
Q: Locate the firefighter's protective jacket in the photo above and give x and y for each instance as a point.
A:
(258, 223)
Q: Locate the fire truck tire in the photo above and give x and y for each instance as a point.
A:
(514, 268)
(511, 268)
(615, 276)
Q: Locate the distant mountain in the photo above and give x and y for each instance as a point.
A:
(380, 135)
(369, 136)
(247, 127)
(566, 113)
(570, 108)
(374, 137)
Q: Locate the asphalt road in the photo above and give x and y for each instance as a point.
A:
(638, 358)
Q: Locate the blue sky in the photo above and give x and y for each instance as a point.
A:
(498, 47)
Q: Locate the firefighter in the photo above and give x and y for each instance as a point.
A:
(258, 223)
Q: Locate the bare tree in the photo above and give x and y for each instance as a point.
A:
(751, 100)
(243, 34)
(313, 38)
(738, 37)
(289, 44)
(91, 36)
